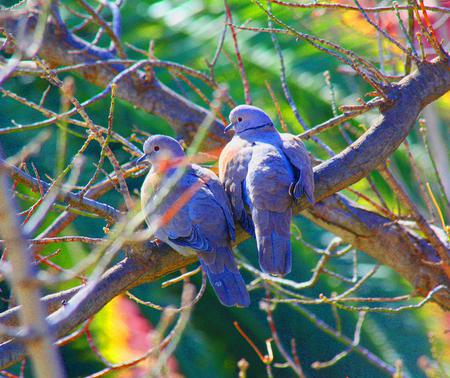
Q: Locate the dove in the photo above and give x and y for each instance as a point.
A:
(195, 217)
(264, 173)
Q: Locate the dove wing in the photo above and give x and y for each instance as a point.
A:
(199, 221)
(178, 213)
(218, 195)
(233, 166)
(295, 151)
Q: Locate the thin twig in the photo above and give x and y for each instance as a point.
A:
(248, 98)
(46, 360)
(434, 240)
(317, 4)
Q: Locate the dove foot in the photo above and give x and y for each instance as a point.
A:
(153, 244)
(291, 192)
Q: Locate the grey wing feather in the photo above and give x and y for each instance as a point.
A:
(183, 228)
(298, 156)
(194, 240)
(233, 171)
(219, 195)
(235, 189)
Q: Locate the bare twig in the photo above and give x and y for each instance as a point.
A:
(317, 4)
(248, 99)
(46, 360)
(420, 220)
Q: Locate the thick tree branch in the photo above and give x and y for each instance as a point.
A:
(388, 242)
(123, 276)
(367, 231)
(409, 97)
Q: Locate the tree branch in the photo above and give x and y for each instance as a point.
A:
(372, 233)
(76, 200)
(153, 97)
(388, 242)
(129, 273)
(409, 97)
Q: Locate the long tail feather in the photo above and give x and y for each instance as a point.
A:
(273, 240)
(225, 277)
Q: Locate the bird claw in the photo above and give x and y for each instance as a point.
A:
(154, 244)
(291, 191)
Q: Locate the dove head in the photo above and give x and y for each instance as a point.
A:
(162, 152)
(249, 119)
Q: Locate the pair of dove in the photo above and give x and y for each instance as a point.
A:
(262, 174)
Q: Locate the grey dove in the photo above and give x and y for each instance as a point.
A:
(265, 172)
(195, 217)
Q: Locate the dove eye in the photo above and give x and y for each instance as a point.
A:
(156, 148)
(239, 119)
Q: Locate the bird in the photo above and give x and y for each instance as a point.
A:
(194, 217)
(265, 173)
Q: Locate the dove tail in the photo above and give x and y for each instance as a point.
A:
(273, 240)
(224, 276)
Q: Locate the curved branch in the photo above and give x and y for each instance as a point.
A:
(367, 231)
(409, 97)
(388, 242)
(125, 275)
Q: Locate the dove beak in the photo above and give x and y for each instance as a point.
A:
(141, 159)
(229, 127)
